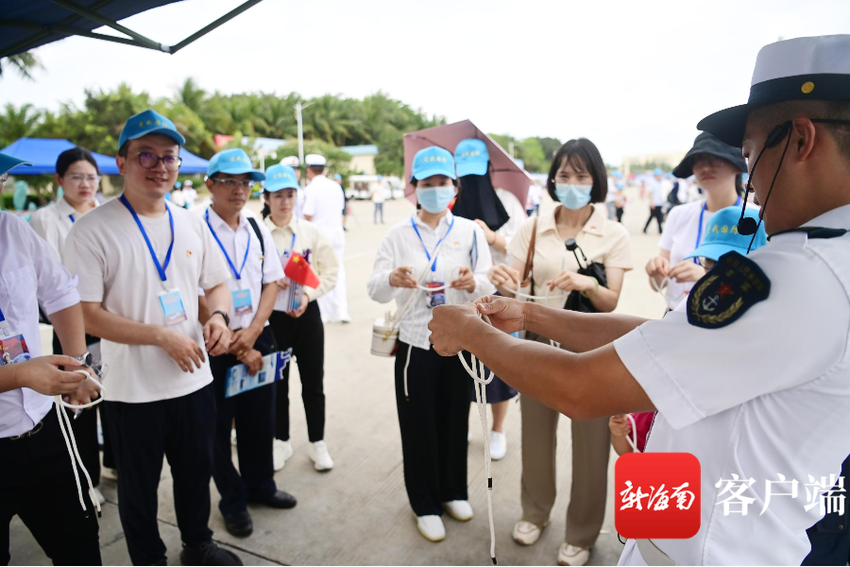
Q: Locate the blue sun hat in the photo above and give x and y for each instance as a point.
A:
(721, 235)
(472, 157)
(279, 177)
(433, 161)
(234, 162)
(8, 163)
(149, 122)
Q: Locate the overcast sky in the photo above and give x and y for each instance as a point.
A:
(635, 76)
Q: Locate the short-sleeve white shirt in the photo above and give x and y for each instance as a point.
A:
(107, 251)
(260, 267)
(768, 394)
(324, 202)
(53, 223)
(29, 274)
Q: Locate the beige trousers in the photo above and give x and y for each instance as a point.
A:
(591, 449)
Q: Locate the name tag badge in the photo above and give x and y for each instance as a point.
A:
(172, 307)
(435, 298)
(242, 302)
(13, 349)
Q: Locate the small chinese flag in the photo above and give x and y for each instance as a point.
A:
(298, 270)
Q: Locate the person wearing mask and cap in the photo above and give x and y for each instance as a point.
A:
(140, 263)
(774, 395)
(78, 175)
(717, 168)
(323, 207)
(432, 394)
(248, 248)
(292, 161)
(500, 215)
(36, 479)
(299, 325)
(656, 200)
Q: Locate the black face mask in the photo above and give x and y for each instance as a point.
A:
(748, 225)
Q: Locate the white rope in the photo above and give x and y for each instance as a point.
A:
(661, 289)
(633, 433)
(478, 374)
(71, 442)
(520, 295)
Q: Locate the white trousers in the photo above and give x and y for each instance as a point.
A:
(334, 304)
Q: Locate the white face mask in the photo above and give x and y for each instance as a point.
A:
(573, 197)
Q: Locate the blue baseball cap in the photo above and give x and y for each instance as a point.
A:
(149, 122)
(472, 157)
(659, 171)
(433, 161)
(279, 177)
(235, 162)
(721, 235)
(8, 163)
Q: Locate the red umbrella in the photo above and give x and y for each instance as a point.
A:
(504, 172)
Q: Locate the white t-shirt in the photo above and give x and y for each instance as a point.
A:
(517, 216)
(107, 251)
(324, 203)
(767, 394)
(378, 193)
(656, 192)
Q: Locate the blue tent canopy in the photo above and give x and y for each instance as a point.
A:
(27, 24)
(43, 152)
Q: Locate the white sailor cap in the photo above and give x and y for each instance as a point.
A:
(291, 161)
(806, 68)
(315, 159)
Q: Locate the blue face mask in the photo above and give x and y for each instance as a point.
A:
(573, 197)
(435, 199)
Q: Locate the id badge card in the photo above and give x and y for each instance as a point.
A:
(435, 298)
(13, 348)
(242, 302)
(172, 306)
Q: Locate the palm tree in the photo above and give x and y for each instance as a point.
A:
(192, 95)
(335, 120)
(26, 63)
(17, 123)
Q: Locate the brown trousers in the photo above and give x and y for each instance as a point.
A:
(591, 449)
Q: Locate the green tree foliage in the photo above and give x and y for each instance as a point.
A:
(25, 63)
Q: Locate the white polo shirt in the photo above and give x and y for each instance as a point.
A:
(768, 394)
(324, 202)
(29, 274)
(107, 251)
(257, 271)
(54, 222)
(402, 247)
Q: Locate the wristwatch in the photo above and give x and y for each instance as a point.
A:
(84, 359)
(224, 315)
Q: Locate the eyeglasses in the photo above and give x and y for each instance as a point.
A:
(233, 183)
(78, 179)
(150, 160)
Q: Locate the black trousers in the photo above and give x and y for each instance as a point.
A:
(85, 430)
(434, 422)
(620, 211)
(830, 538)
(181, 430)
(656, 213)
(254, 414)
(306, 337)
(37, 484)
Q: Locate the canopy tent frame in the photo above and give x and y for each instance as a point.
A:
(134, 38)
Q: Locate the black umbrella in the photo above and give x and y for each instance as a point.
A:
(576, 301)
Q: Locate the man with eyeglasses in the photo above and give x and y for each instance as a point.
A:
(140, 263)
(254, 270)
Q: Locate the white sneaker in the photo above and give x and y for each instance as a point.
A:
(111, 474)
(498, 445)
(572, 555)
(526, 533)
(281, 452)
(431, 527)
(97, 494)
(321, 459)
(460, 510)
(233, 437)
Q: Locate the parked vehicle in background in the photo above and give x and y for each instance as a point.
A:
(360, 187)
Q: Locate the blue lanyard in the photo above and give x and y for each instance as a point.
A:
(72, 218)
(159, 267)
(220, 245)
(292, 247)
(699, 231)
(434, 263)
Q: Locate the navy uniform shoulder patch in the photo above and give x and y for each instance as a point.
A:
(733, 285)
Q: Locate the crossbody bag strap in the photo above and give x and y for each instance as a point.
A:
(256, 228)
(529, 259)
